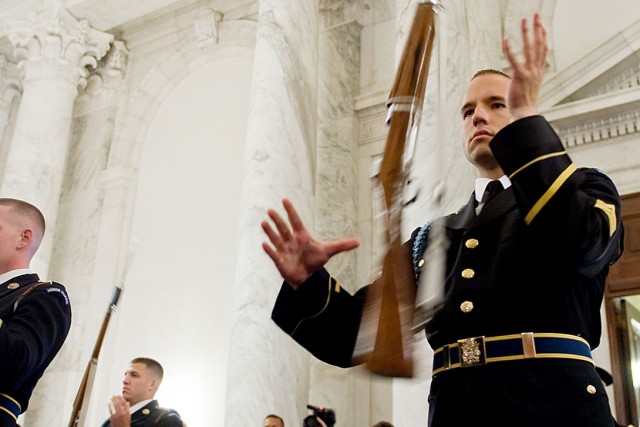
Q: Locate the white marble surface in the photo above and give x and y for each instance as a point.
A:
(336, 208)
(52, 70)
(279, 162)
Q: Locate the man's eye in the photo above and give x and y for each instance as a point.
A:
(467, 113)
(499, 105)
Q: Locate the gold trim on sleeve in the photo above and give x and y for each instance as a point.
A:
(2, 408)
(326, 304)
(555, 186)
(537, 159)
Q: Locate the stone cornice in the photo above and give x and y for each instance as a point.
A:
(595, 70)
(597, 119)
(106, 15)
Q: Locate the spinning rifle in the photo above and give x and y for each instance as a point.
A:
(384, 341)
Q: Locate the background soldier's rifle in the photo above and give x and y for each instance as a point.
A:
(79, 413)
(81, 403)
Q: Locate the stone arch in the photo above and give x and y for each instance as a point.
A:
(237, 39)
(132, 127)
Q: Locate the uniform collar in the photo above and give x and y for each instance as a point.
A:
(5, 277)
(139, 405)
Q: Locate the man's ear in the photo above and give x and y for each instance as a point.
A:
(26, 237)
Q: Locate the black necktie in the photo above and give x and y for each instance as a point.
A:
(492, 190)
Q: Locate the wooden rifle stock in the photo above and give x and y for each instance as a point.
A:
(84, 391)
(385, 337)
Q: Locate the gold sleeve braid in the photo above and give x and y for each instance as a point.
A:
(607, 208)
(326, 304)
(553, 189)
(537, 159)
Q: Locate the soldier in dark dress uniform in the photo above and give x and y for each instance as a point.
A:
(35, 316)
(136, 406)
(525, 271)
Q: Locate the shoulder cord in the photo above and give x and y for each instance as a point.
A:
(419, 246)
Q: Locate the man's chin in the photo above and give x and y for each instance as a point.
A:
(484, 159)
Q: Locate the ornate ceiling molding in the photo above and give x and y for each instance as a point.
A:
(598, 98)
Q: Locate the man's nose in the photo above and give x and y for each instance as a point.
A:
(479, 115)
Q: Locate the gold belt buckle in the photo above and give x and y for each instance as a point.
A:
(472, 352)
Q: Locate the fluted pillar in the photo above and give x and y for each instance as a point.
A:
(54, 49)
(279, 161)
(337, 184)
(90, 240)
(9, 90)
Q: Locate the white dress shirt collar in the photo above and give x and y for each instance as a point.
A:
(481, 184)
(139, 406)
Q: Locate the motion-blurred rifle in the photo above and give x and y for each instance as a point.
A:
(384, 341)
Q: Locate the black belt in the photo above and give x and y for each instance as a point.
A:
(482, 350)
(9, 405)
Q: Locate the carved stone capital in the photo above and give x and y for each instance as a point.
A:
(207, 27)
(58, 43)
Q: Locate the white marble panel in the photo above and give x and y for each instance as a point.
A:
(279, 162)
(336, 206)
(378, 56)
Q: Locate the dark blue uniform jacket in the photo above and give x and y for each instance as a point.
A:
(152, 415)
(541, 252)
(34, 327)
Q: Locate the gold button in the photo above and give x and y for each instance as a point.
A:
(471, 243)
(13, 285)
(146, 411)
(421, 263)
(591, 389)
(466, 307)
(468, 273)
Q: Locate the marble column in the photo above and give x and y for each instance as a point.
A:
(337, 181)
(54, 49)
(92, 243)
(268, 372)
(9, 91)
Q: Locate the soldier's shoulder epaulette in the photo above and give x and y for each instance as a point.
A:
(47, 287)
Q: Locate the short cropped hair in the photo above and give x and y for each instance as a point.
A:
(276, 417)
(153, 365)
(383, 424)
(490, 71)
(27, 210)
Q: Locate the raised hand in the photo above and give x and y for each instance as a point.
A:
(527, 75)
(119, 412)
(293, 250)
